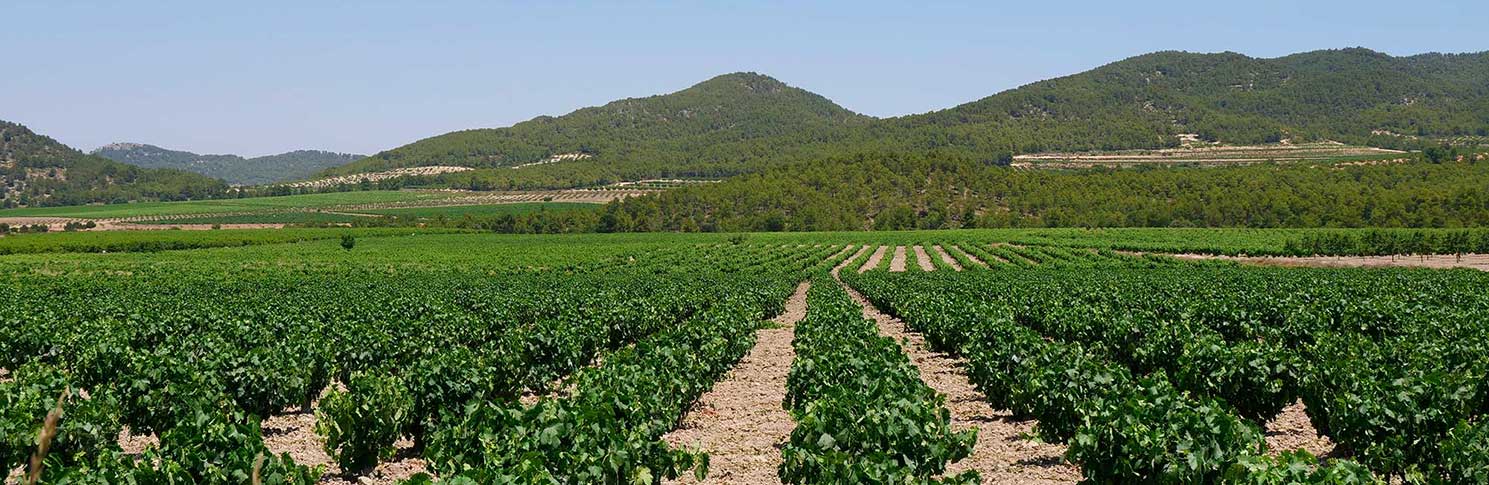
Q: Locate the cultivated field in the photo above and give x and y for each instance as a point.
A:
(326, 208)
(1018, 356)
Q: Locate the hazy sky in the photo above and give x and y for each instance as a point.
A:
(263, 77)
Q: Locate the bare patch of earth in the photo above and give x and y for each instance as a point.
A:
(897, 263)
(1473, 261)
(923, 259)
(1003, 453)
(946, 258)
(740, 421)
(874, 259)
(135, 444)
(294, 433)
(1292, 430)
(974, 259)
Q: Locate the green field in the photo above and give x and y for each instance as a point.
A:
(459, 211)
(169, 240)
(296, 217)
(1253, 242)
(256, 204)
(476, 344)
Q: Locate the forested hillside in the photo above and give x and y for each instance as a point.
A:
(742, 123)
(891, 191)
(234, 169)
(1351, 95)
(718, 127)
(38, 171)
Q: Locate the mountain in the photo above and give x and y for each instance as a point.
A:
(235, 169)
(745, 122)
(717, 127)
(39, 171)
(1351, 95)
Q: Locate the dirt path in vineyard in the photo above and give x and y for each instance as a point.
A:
(874, 259)
(897, 263)
(1002, 454)
(740, 422)
(294, 433)
(1472, 261)
(969, 256)
(946, 258)
(923, 259)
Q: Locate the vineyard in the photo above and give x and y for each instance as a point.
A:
(933, 357)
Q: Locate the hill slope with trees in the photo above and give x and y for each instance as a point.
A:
(234, 169)
(36, 171)
(718, 127)
(892, 191)
(742, 123)
(1350, 95)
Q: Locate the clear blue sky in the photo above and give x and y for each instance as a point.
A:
(264, 77)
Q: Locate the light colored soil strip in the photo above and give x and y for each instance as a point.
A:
(740, 422)
(1292, 430)
(946, 258)
(1474, 261)
(923, 259)
(1002, 453)
(135, 444)
(294, 433)
(846, 250)
(969, 256)
(897, 263)
(874, 259)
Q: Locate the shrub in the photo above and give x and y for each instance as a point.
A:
(88, 425)
(362, 423)
(348, 242)
(1465, 454)
(1158, 434)
(1296, 467)
(221, 447)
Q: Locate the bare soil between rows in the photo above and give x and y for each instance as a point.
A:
(740, 422)
(874, 259)
(1471, 261)
(923, 260)
(946, 258)
(897, 263)
(1004, 453)
(974, 259)
(1292, 430)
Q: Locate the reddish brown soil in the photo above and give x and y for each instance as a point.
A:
(946, 258)
(897, 263)
(874, 259)
(740, 422)
(969, 256)
(923, 259)
(1292, 430)
(1002, 453)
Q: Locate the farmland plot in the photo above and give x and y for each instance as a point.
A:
(609, 359)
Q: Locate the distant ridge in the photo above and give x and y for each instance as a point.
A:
(723, 123)
(746, 122)
(235, 169)
(36, 170)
